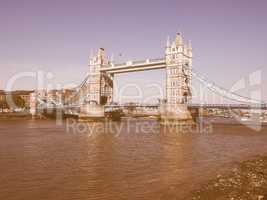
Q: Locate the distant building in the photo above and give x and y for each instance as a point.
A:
(25, 95)
(4, 95)
(68, 95)
(55, 96)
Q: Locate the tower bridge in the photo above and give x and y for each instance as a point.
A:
(177, 62)
(95, 93)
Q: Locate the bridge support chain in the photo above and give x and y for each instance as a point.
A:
(175, 114)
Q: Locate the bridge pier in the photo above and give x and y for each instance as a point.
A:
(178, 113)
(91, 112)
(195, 114)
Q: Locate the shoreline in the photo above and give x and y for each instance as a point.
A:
(14, 116)
(246, 180)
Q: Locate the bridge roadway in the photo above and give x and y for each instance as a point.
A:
(74, 109)
(219, 106)
(222, 106)
(230, 106)
(132, 66)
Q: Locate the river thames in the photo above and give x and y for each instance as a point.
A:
(43, 160)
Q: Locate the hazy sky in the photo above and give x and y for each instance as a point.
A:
(229, 37)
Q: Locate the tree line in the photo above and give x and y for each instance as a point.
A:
(12, 101)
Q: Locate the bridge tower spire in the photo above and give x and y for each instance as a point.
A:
(179, 39)
(168, 43)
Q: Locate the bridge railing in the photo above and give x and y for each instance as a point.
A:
(120, 64)
(239, 106)
(139, 62)
(132, 105)
(157, 60)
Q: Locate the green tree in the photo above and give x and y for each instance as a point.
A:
(18, 101)
(14, 101)
(3, 104)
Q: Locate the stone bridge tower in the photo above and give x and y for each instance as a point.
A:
(179, 71)
(98, 89)
(100, 84)
(178, 57)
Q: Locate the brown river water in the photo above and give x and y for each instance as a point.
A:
(43, 160)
